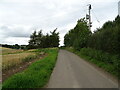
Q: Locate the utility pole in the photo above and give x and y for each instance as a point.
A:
(88, 17)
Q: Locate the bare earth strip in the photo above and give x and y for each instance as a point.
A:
(73, 72)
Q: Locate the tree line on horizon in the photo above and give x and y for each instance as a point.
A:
(38, 40)
(15, 46)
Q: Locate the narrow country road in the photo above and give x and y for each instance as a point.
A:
(73, 72)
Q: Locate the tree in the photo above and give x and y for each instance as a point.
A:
(48, 40)
(33, 40)
(54, 38)
(16, 46)
(38, 40)
(107, 38)
(78, 36)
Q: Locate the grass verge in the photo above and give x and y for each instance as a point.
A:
(36, 75)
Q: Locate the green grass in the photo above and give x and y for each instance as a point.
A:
(0, 85)
(36, 75)
(103, 60)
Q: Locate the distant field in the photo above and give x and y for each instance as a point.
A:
(11, 60)
(13, 57)
(9, 51)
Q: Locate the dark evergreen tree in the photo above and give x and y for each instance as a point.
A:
(54, 38)
(33, 40)
(44, 41)
(39, 39)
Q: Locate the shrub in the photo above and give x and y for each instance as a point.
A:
(105, 60)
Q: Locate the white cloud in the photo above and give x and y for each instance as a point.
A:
(13, 40)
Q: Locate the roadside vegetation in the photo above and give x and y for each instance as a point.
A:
(37, 74)
(101, 47)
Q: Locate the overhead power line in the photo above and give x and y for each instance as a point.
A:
(95, 16)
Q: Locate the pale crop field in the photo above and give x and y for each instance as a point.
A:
(9, 51)
(15, 57)
(11, 60)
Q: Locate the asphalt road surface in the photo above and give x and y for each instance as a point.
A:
(73, 72)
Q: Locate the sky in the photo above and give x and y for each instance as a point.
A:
(19, 18)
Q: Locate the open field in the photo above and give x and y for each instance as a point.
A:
(11, 60)
(13, 57)
(9, 51)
